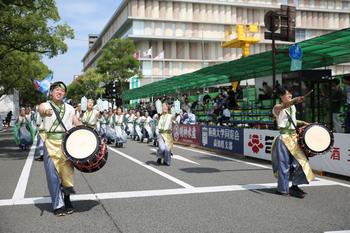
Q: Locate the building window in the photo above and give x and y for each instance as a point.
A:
(345, 5)
(147, 68)
(138, 27)
(300, 34)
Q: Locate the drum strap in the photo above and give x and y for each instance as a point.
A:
(58, 117)
(291, 120)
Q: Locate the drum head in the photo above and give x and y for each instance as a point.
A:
(81, 143)
(317, 138)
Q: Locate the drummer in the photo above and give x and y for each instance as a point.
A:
(288, 160)
(91, 116)
(59, 170)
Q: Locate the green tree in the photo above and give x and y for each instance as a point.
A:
(32, 26)
(88, 84)
(117, 61)
(17, 70)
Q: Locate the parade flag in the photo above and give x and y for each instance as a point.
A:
(43, 85)
(148, 52)
(160, 56)
(137, 55)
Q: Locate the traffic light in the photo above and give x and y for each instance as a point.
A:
(110, 91)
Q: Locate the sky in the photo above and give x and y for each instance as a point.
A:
(85, 17)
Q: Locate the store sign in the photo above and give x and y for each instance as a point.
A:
(189, 134)
(337, 160)
(222, 138)
(258, 143)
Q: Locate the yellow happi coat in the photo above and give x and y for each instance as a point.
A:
(52, 135)
(290, 139)
(165, 125)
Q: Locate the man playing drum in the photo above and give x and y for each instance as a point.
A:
(288, 160)
(59, 170)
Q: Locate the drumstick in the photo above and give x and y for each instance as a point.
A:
(308, 93)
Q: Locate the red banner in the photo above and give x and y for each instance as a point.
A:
(189, 134)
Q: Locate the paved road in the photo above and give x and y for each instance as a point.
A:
(200, 192)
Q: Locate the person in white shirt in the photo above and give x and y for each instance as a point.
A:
(165, 138)
(287, 154)
(118, 120)
(226, 115)
(59, 170)
(91, 116)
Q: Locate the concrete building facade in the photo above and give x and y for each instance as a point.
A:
(189, 33)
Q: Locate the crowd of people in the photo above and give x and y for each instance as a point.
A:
(153, 122)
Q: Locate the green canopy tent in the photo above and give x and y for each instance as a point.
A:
(322, 51)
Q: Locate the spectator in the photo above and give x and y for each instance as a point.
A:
(8, 119)
(337, 97)
(276, 89)
(267, 92)
(231, 100)
(225, 116)
(186, 105)
(189, 118)
(346, 81)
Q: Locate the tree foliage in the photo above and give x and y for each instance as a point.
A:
(32, 26)
(87, 85)
(28, 30)
(17, 70)
(117, 61)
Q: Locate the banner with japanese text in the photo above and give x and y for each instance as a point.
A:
(189, 134)
(337, 160)
(222, 138)
(258, 143)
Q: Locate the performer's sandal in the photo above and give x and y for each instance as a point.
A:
(293, 191)
(68, 205)
(60, 212)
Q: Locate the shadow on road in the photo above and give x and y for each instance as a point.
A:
(79, 206)
(9, 150)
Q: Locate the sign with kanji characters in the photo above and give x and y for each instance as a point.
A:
(189, 134)
(222, 138)
(258, 143)
(337, 160)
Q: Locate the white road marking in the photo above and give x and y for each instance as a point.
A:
(165, 175)
(155, 193)
(23, 179)
(179, 157)
(346, 231)
(255, 164)
(223, 157)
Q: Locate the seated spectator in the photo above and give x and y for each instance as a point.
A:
(225, 115)
(186, 105)
(189, 118)
(231, 100)
(267, 92)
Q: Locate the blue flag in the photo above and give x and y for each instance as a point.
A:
(43, 85)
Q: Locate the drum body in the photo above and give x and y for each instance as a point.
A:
(83, 146)
(315, 139)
